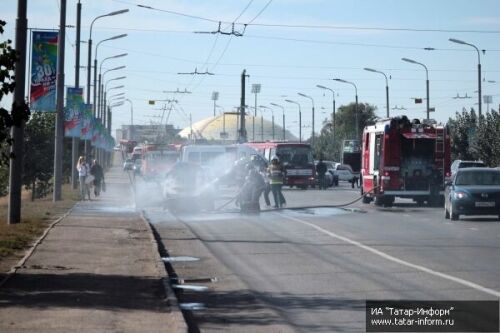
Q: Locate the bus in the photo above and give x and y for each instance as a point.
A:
(296, 159)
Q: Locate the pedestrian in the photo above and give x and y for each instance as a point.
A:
(96, 171)
(83, 172)
(276, 175)
(321, 171)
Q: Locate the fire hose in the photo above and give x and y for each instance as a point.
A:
(304, 207)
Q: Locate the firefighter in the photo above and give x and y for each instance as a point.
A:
(321, 170)
(249, 195)
(276, 175)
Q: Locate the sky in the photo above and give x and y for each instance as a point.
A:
(287, 46)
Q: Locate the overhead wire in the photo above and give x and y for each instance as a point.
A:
(309, 26)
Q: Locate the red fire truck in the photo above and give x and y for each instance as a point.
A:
(296, 158)
(406, 159)
(157, 159)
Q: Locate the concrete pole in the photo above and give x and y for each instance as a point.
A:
(75, 142)
(243, 132)
(59, 135)
(17, 132)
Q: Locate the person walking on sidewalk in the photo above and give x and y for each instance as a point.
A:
(83, 171)
(96, 171)
(276, 175)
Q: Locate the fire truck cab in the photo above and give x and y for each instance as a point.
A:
(406, 159)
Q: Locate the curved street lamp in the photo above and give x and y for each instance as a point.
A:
(300, 117)
(333, 112)
(386, 87)
(89, 58)
(100, 91)
(355, 106)
(458, 41)
(426, 81)
(94, 106)
(312, 101)
(283, 110)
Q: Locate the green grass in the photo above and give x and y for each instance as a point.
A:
(35, 218)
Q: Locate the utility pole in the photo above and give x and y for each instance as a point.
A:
(75, 142)
(243, 131)
(17, 132)
(59, 136)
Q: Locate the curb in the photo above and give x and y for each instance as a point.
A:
(28, 254)
(179, 324)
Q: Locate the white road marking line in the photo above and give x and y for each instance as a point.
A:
(397, 260)
(473, 229)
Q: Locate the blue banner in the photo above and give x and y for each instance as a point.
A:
(73, 112)
(43, 71)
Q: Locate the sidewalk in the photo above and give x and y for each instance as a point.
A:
(96, 270)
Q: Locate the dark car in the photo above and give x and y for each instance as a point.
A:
(473, 191)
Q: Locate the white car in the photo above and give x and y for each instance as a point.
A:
(344, 172)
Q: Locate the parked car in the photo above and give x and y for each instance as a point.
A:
(473, 191)
(330, 176)
(344, 172)
(128, 164)
(459, 164)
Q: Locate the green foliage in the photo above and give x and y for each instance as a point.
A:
(39, 151)
(486, 143)
(20, 112)
(329, 144)
(462, 132)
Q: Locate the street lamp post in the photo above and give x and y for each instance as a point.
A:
(333, 112)
(131, 117)
(102, 102)
(355, 106)
(94, 106)
(283, 110)
(426, 80)
(99, 92)
(386, 87)
(312, 101)
(272, 117)
(458, 41)
(300, 117)
(255, 90)
(89, 60)
(215, 97)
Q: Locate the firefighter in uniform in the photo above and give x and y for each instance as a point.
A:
(276, 175)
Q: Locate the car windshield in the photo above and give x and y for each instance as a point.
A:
(471, 164)
(478, 177)
(295, 155)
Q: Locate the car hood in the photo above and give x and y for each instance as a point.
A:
(478, 188)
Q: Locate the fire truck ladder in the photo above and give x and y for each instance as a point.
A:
(440, 146)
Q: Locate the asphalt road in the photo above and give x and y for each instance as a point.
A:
(312, 270)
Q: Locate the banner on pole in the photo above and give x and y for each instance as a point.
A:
(43, 71)
(87, 123)
(73, 112)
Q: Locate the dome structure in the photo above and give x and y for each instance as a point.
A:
(226, 126)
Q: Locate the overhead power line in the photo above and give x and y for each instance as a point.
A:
(310, 26)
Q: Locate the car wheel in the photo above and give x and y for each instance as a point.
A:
(453, 216)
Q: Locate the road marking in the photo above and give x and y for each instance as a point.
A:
(473, 229)
(397, 260)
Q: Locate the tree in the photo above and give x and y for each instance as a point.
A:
(462, 133)
(39, 153)
(485, 145)
(345, 128)
(8, 59)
